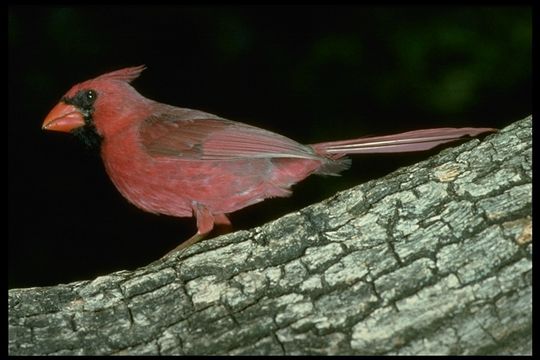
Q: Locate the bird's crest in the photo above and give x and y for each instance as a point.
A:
(127, 74)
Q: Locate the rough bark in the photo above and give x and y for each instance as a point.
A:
(432, 259)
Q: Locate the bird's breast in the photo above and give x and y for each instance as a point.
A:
(170, 185)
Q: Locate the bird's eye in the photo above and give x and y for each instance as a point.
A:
(91, 95)
(83, 99)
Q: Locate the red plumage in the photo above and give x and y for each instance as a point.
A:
(184, 162)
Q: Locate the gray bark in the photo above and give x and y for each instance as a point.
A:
(434, 258)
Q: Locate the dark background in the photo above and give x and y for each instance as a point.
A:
(313, 73)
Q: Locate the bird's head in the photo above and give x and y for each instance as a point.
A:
(96, 108)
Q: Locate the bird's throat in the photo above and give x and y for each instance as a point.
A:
(89, 136)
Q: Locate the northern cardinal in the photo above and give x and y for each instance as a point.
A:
(183, 162)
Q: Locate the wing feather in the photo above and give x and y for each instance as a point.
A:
(191, 134)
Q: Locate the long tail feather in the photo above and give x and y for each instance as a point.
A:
(418, 140)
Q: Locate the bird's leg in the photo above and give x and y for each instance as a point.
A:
(184, 245)
(222, 224)
(206, 221)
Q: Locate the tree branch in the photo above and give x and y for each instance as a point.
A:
(434, 258)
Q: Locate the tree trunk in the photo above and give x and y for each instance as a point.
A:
(435, 258)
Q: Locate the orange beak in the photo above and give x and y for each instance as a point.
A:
(63, 117)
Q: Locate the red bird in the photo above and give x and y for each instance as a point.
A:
(183, 162)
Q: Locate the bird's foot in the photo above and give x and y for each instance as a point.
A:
(183, 246)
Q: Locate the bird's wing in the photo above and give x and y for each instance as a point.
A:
(191, 134)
